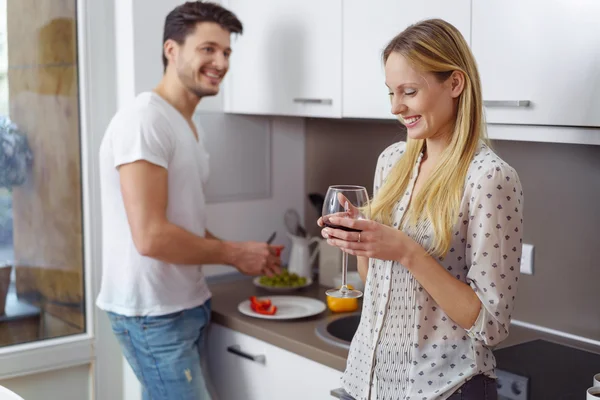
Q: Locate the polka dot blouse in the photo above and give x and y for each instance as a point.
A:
(406, 347)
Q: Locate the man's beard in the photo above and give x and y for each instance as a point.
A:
(193, 87)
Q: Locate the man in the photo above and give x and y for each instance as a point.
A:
(153, 169)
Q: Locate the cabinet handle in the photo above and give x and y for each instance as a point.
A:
(506, 103)
(235, 349)
(313, 101)
(337, 393)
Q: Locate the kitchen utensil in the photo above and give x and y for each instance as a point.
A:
(301, 258)
(317, 200)
(593, 393)
(352, 202)
(271, 238)
(285, 289)
(288, 307)
(292, 223)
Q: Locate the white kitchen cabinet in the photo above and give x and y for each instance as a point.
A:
(288, 60)
(367, 30)
(243, 367)
(539, 61)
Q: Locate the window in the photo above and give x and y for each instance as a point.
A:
(41, 226)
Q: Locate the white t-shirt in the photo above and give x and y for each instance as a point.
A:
(133, 285)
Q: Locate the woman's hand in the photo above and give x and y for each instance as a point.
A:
(374, 240)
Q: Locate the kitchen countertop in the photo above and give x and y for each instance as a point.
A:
(299, 337)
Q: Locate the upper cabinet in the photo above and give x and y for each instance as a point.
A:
(367, 29)
(539, 62)
(288, 61)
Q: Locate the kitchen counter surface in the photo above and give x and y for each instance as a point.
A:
(299, 336)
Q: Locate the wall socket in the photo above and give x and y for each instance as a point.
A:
(527, 258)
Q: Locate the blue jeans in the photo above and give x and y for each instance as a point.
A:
(165, 352)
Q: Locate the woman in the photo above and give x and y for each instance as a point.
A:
(442, 250)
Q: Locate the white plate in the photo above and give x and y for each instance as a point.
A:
(286, 289)
(288, 307)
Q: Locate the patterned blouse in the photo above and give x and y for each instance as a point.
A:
(406, 347)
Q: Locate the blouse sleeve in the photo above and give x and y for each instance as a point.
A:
(494, 246)
(385, 162)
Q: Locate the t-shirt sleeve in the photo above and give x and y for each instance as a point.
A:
(142, 137)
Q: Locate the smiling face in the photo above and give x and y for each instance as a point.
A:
(425, 103)
(202, 60)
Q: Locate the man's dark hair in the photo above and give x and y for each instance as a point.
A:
(183, 19)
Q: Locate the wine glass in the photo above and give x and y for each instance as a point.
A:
(351, 202)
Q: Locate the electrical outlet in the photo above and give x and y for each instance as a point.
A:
(527, 258)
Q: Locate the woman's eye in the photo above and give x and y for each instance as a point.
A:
(410, 92)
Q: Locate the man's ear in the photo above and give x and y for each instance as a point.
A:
(170, 50)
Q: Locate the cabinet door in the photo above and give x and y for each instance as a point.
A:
(288, 60)
(545, 53)
(274, 374)
(367, 30)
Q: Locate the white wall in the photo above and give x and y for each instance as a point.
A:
(65, 384)
(256, 220)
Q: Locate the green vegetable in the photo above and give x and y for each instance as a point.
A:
(285, 279)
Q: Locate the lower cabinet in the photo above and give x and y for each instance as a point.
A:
(243, 367)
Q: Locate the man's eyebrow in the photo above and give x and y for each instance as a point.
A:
(213, 44)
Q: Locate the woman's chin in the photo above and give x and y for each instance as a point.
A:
(417, 134)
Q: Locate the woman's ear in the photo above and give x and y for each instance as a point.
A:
(457, 83)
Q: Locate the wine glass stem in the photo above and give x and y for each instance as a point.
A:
(344, 271)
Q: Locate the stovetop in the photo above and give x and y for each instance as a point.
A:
(543, 370)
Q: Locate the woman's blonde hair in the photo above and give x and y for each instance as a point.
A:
(438, 47)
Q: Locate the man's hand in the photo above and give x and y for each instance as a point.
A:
(256, 258)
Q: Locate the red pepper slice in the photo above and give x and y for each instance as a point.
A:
(262, 306)
(265, 303)
(271, 310)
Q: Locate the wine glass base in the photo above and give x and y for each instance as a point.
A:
(343, 293)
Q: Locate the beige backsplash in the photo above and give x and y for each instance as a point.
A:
(562, 212)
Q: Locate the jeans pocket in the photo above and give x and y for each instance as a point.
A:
(118, 323)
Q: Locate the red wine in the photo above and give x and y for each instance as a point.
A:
(342, 228)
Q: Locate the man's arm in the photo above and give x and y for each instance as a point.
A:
(210, 235)
(145, 194)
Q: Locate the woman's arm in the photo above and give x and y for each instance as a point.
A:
(379, 241)
(484, 304)
(362, 265)
(455, 297)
